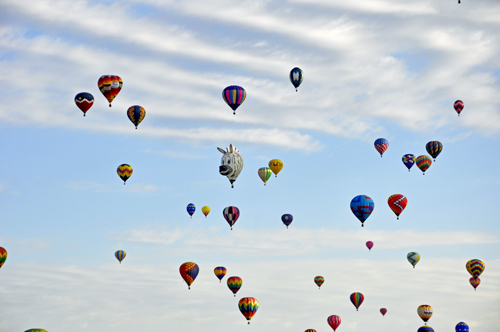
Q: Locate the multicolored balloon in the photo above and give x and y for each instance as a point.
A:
(3, 256)
(276, 166)
(234, 284)
(357, 299)
(425, 312)
(136, 114)
(124, 172)
(474, 282)
(423, 162)
(362, 206)
(413, 258)
(334, 321)
(120, 255)
(231, 214)
(475, 267)
(287, 219)
(425, 329)
(248, 307)
(296, 77)
(110, 86)
(189, 272)
(191, 209)
(310, 330)
(205, 210)
(36, 330)
(397, 203)
(319, 280)
(409, 161)
(234, 96)
(220, 272)
(383, 311)
(84, 101)
(459, 106)
(462, 327)
(264, 174)
(434, 148)
(381, 145)
(369, 245)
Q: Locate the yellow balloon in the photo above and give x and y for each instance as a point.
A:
(276, 165)
(205, 210)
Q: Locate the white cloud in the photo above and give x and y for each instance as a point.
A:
(101, 187)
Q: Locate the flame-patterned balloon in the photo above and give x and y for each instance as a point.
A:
(475, 267)
(381, 145)
(276, 166)
(3, 256)
(397, 203)
(459, 106)
(84, 101)
(369, 245)
(120, 255)
(334, 321)
(357, 299)
(296, 77)
(234, 96)
(264, 174)
(287, 219)
(462, 327)
(474, 282)
(248, 307)
(136, 114)
(234, 284)
(220, 272)
(434, 148)
(413, 258)
(205, 210)
(423, 162)
(362, 206)
(425, 312)
(319, 280)
(124, 172)
(110, 86)
(383, 311)
(189, 272)
(408, 160)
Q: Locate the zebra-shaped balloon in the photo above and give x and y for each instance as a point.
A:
(231, 163)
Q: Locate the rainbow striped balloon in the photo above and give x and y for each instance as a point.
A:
(397, 203)
(110, 86)
(220, 272)
(234, 96)
(234, 284)
(357, 299)
(475, 267)
(319, 280)
(124, 172)
(434, 148)
(189, 271)
(120, 255)
(423, 162)
(248, 307)
(3, 256)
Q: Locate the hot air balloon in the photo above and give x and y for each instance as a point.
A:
(462, 327)
(189, 271)
(264, 174)
(220, 272)
(423, 162)
(287, 219)
(434, 148)
(369, 245)
(84, 101)
(231, 163)
(234, 96)
(381, 144)
(310, 330)
(425, 312)
(205, 210)
(136, 114)
(3, 256)
(383, 311)
(362, 206)
(408, 160)
(459, 106)
(231, 214)
(248, 307)
(319, 280)
(397, 203)
(474, 282)
(124, 172)
(296, 77)
(475, 267)
(425, 329)
(234, 284)
(334, 321)
(36, 330)
(110, 86)
(120, 255)
(413, 258)
(191, 209)
(357, 299)
(276, 166)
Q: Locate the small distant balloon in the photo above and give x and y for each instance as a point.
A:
(234, 96)
(413, 258)
(423, 162)
(362, 206)
(248, 307)
(124, 172)
(36, 330)
(220, 272)
(369, 245)
(459, 106)
(319, 280)
(84, 101)
(381, 145)
(205, 210)
(3, 256)
(110, 86)
(409, 161)
(231, 214)
(434, 148)
(475, 267)
(334, 321)
(462, 327)
(136, 114)
(425, 329)
(397, 203)
(189, 272)
(296, 77)
(357, 299)
(120, 255)
(234, 284)
(191, 209)
(276, 166)
(383, 311)
(287, 219)
(264, 174)
(310, 330)
(425, 312)
(474, 282)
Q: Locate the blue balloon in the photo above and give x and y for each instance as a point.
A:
(425, 329)
(287, 219)
(462, 327)
(190, 209)
(362, 206)
(408, 160)
(296, 77)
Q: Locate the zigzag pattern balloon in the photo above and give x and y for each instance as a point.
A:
(189, 272)
(475, 267)
(413, 258)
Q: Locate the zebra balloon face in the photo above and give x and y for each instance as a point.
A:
(231, 163)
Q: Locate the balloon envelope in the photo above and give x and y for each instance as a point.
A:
(124, 172)
(369, 245)
(462, 327)
(264, 174)
(425, 312)
(205, 210)
(383, 311)
(110, 86)
(362, 206)
(36, 330)
(381, 145)
(397, 203)
(459, 106)
(357, 299)
(319, 280)
(234, 96)
(234, 284)
(423, 162)
(409, 161)
(120, 255)
(220, 272)
(475, 267)
(474, 282)
(190, 208)
(434, 148)
(136, 114)
(334, 321)
(231, 214)
(287, 219)
(3, 256)
(276, 166)
(189, 272)
(425, 329)
(248, 307)
(413, 258)
(84, 101)
(296, 77)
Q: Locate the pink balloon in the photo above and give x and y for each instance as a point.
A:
(383, 311)
(369, 245)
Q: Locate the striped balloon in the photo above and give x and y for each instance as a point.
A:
(475, 267)
(319, 280)
(310, 330)
(110, 86)
(3, 256)
(381, 145)
(189, 271)
(397, 203)
(462, 327)
(423, 162)
(136, 114)
(296, 77)
(357, 299)
(264, 174)
(413, 258)
(459, 106)
(287, 219)
(234, 284)
(36, 330)
(425, 329)
(248, 307)
(124, 172)
(434, 148)
(474, 282)
(334, 321)
(120, 255)
(231, 214)
(234, 96)
(425, 312)
(84, 101)
(220, 272)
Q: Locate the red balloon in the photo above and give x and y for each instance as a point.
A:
(334, 321)
(383, 311)
(369, 245)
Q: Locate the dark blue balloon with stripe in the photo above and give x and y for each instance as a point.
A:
(190, 209)
(287, 219)
(296, 77)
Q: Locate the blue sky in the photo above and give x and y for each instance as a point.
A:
(372, 69)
